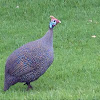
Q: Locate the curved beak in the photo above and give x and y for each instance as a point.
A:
(59, 21)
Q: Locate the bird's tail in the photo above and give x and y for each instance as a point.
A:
(6, 85)
(9, 81)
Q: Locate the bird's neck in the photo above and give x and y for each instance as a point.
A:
(48, 37)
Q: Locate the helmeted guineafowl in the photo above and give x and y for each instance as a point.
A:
(30, 61)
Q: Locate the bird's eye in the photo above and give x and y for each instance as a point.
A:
(54, 21)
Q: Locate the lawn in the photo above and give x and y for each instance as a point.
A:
(75, 72)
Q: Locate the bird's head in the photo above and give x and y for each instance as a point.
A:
(53, 22)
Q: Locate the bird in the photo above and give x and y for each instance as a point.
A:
(27, 63)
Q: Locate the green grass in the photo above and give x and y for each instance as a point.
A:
(75, 72)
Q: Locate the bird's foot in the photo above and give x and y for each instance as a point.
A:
(29, 87)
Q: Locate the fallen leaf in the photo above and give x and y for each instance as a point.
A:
(17, 6)
(93, 36)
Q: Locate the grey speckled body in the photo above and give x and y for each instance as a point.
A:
(29, 62)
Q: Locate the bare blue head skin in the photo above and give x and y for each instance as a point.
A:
(53, 22)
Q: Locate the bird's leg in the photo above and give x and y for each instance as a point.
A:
(29, 86)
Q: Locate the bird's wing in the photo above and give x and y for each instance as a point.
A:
(21, 69)
(22, 65)
(24, 60)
